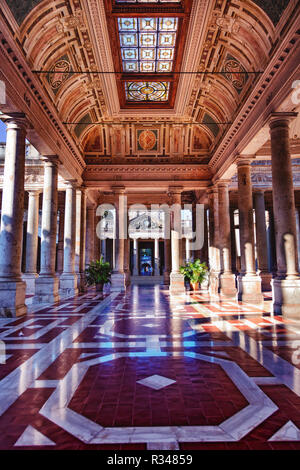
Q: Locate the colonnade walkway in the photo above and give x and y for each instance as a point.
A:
(143, 370)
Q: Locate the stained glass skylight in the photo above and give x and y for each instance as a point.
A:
(147, 44)
(147, 91)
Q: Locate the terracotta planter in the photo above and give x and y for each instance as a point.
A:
(99, 287)
(195, 285)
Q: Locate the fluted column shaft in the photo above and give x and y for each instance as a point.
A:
(12, 288)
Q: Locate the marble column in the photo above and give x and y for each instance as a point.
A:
(90, 234)
(203, 253)
(167, 257)
(97, 241)
(214, 248)
(30, 274)
(261, 239)
(46, 285)
(227, 278)
(286, 285)
(233, 242)
(12, 288)
(249, 282)
(156, 257)
(78, 236)
(119, 278)
(83, 214)
(68, 279)
(60, 241)
(103, 249)
(187, 250)
(176, 278)
(135, 257)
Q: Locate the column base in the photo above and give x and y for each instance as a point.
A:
(286, 297)
(249, 289)
(68, 285)
(177, 284)
(228, 287)
(266, 279)
(214, 283)
(46, 290)
(166, 278)
(118, 282)
(12, 298)
(29, 279)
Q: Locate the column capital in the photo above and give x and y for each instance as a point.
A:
(118, 189)
(175, 189)
(222, 183)
(280, 119)
(71, 183)
(50, 160)
(244, 160)
(34, 192)
(258, 191)
(212, 190)
(15, 120)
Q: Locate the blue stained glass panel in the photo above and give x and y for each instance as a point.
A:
(149, 41)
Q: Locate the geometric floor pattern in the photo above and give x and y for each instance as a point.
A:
(140, 370)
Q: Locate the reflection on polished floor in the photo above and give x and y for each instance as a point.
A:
(142, 370)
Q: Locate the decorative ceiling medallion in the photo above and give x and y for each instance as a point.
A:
(147, 140)
(147, 44)
(235, 73)
(59, 73)
(147, 91)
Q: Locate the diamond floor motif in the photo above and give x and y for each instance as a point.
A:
(157, 382)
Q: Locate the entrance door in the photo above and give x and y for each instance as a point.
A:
(146, 258)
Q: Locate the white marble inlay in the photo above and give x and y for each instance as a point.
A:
(32, 437)
(157, 382)
(288, 432)
(150, 325)
(267, 380)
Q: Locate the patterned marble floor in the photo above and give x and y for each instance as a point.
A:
(142, 370)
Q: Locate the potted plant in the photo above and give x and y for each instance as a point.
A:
(194, 272)
(98, 273)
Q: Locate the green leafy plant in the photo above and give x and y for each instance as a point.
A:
(194, 272)
(98, 273)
